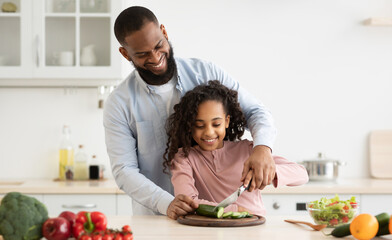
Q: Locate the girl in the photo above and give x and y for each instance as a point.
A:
(205, 154)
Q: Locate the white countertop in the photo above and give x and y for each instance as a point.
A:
(108, 186)
(161, 227)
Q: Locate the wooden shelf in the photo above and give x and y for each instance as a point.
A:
(378, 22)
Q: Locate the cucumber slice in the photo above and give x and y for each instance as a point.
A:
(227, 214)
(236, 215)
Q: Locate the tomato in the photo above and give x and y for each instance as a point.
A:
(128, 236)
(118, 236)
(126, 228)
(353, 204)
(345, 219)
(107, 237)
(97, 237)
(333, 221)
(85, 237)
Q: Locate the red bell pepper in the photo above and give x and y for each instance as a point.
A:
(88, 222)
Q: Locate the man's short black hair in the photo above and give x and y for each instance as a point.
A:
(132, 19)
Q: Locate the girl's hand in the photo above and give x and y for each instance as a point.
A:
(242, 209)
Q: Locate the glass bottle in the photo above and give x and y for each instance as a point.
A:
(80, 167)
(66, 154)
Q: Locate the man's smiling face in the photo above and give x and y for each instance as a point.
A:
(150, 52)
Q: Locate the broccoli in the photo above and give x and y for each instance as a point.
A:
(21, 217)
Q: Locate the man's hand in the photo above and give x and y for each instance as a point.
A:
(181, 205)
(261, 166)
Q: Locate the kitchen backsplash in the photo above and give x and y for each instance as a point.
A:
(325, 76)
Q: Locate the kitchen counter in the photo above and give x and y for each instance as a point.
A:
(108, 186)
(161, 227)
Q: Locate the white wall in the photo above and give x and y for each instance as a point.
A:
(326, 78)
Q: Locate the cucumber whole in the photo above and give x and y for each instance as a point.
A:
(341, 231)
(344, 230)
(383, 222)
(210, 211)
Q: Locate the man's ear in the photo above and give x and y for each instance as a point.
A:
(124, 52)
(163, 29)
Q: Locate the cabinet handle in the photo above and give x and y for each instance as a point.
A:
(88, 205)
(38, 49)
(276, 205)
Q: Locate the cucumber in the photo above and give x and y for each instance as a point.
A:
(341, 231)
(227, 214)
(344, 230)
(210, 211)
(383, 223)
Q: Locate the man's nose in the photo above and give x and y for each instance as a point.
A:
(155, 56)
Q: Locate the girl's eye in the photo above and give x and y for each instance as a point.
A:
(216, 125)
(199, 126)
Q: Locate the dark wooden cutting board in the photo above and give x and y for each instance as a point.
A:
(196, 220)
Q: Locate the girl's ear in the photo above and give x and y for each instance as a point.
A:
(227, 121)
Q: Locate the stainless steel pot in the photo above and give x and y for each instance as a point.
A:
(322, 169)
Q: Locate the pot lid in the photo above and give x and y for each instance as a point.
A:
(321, 157)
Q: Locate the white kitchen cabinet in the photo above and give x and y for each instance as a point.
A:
(376, 203)
(49, 43)
(57, 203)
(295, 204)
(39, 197)
(124, 205)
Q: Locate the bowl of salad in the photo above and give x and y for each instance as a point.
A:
(333, 212)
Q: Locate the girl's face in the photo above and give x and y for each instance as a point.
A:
(210, 125)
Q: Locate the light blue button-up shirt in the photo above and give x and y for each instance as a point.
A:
(134, 121)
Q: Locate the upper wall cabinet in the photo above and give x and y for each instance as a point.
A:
(58, 43)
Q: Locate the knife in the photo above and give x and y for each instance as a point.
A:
(233, 197)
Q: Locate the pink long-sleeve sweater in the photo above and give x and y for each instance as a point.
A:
(210, 176)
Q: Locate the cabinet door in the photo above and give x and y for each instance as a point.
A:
(59, 43)
(376, 203)
(105, 203)
(76, 40)
(39, 197)
(15, 42)
(294, 204)
(124, 205)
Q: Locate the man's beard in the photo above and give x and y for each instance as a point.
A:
(153, 79)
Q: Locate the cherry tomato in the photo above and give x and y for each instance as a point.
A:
(97, 237)
(126, 228)
(85, 237)
(107, 237)
(118, 236)
(128, 236)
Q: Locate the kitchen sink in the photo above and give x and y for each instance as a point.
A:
(10, 183)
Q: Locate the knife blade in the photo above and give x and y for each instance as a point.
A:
(233, 197)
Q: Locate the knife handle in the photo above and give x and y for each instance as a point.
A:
(250, 182)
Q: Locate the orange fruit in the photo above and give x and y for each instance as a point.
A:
(364, 226)
(390, 225)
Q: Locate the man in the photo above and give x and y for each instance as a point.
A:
(136, 112)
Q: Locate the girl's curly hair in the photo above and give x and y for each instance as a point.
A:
(179, 124)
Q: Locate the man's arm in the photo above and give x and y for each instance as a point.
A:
(121, 148)
(261, 125)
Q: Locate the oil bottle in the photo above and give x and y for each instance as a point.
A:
(66, 154)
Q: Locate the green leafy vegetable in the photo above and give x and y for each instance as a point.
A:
(21, 217)
(333, 211)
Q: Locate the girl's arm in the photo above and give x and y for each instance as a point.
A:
(184, 183)
(289, 173)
